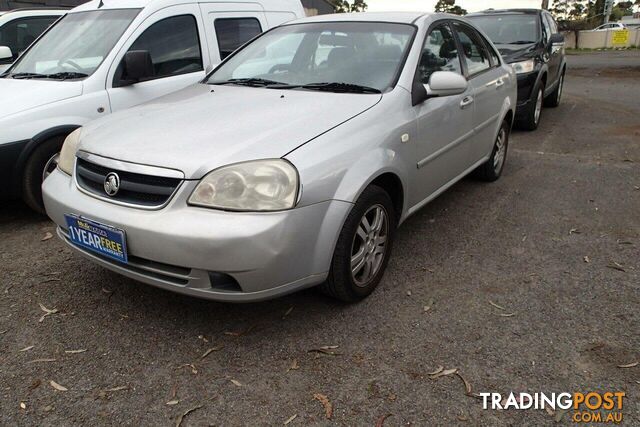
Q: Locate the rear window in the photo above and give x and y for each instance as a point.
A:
(509, 29)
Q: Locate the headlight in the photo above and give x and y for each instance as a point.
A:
(262, 185)
(68, 153)
(524, 66)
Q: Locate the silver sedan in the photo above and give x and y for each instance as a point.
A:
(293, 164)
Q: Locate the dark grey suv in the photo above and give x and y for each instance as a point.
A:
(529, 40)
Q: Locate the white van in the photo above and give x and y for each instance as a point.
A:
(108, 55)
(19, 28)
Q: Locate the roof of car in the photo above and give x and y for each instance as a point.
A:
(391, 17)
(139, 4)
(505, 11)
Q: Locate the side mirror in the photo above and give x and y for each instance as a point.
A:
(446, 83)
(5, 53)
(137, 66)
(557, 38)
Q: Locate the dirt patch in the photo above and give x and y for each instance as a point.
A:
(622, 72)
(632, 130)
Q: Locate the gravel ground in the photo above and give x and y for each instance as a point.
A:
(556, 243)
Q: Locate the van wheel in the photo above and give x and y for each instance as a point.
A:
(42, 162)
(492, 169)
(532, 117)
(363, 248)
(553, 100)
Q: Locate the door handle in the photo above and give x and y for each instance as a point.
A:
(499, 83)
(466, 101)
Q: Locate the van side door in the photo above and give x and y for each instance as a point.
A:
(174, 38)
(231, 25)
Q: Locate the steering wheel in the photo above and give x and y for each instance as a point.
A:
(72, 63)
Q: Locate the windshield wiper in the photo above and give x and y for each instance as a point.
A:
(334, 87)
(254, 82)
(56, 76)
(521, 42)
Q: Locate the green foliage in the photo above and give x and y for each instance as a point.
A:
(344, 6)
(449, 6)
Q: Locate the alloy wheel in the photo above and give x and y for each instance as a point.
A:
(501, 151)
(538, 109)
(369, 245)
(50, 166)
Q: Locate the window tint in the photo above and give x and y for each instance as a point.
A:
(234, 32)
(439, 53)
(20, 33)
(474, 52)
(173, 44)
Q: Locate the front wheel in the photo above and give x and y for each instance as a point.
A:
(363, 248)
(553, 100)
(492, 169)
(40, 164)
(531, 119)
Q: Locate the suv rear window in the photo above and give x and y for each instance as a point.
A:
(509, 28)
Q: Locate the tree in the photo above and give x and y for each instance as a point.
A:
(344, 6)
(450, 6)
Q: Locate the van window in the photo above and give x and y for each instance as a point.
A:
(234, 32)
(20, 33)
(173, 44)
(474, 51)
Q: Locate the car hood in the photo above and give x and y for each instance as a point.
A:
(517, 52)
(203, 127)
(22, 95)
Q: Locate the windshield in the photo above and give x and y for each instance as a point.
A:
(330, 55)
(75, 46)
(509, 29)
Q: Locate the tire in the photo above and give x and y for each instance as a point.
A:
(342, 283)
(492, 169)
(34, 172)
(553, 100)
(531, 120)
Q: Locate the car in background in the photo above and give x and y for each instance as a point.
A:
(105, 56)
(611, 26)
(529, 40)
(292, 164)
(21, 27)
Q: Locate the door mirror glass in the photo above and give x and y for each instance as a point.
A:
(137, 66)
(5, 53)
(446, 83)
(557, 38)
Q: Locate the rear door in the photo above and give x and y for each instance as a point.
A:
(174, 38)
(230, 25)
(487, 80)
(445, 124)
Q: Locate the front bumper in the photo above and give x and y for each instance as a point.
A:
(526, 83)
(179, 247)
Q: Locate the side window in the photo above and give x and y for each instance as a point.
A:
(546, 29)
(552, 24)
(439, 53)
(234, 32)
(173, 44)
(474, 52)
(20, 33)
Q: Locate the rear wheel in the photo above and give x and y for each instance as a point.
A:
(553, 100)
(492, 169)
(363, 248)
(531, 120)
(40, 164)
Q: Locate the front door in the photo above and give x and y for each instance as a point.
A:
(173, 37)
(445, 124)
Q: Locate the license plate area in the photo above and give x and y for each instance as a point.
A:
(96, 237)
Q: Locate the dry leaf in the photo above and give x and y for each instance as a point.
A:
(615, 266)
(236, 383)
(22, 405)
(47, 312)
(119, 388)
(288, 312)
(27, 348)
(291, 418)
(550, 411)
(328, 407)
(574, 231)
(505, 314)
(107, 291)
(326, 350)
(211, 350)
(428, 306)
(380, 421)
(46, 237)
(41, 360)
(586, 259)
(499, 307)
(240, 333)
(294, 366)
(437, 371)
(184, 414)
(57, 386)
(172, 402)
(34, 385)
(444, 373)
(630, 365)
(408, 293)
(467, 385)
(76, 351)
(193, 368)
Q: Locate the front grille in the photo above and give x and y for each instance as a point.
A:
(135, 188)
